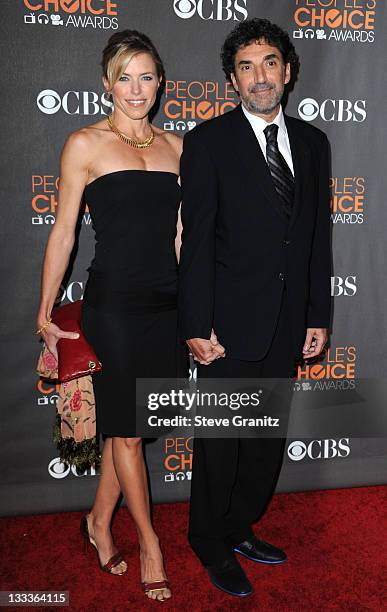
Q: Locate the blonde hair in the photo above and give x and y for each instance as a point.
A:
(121, 48)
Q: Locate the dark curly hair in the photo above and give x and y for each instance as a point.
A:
(257, 29)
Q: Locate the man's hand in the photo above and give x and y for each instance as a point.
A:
(206, 351)
(315, 340)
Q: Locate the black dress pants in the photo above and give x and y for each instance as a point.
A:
(234, 479)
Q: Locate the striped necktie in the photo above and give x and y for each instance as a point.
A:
(280, 172)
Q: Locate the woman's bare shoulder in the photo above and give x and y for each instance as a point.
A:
(83, 145)
(90, 135)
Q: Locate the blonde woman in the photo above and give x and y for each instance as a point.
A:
(128, 171)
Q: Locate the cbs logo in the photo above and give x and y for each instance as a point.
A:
(333, 110)
(343, 286)
(73, 102)
(60, 470)
(319, 449)
(219, 10)
(73, 292)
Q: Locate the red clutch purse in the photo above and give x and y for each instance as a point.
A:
(76, 358)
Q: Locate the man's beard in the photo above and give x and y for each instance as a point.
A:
(264, 108)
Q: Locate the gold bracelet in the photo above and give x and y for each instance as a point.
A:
(46, 324)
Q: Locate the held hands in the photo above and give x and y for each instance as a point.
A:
(51, 334)
(315, 340)
(206, 351)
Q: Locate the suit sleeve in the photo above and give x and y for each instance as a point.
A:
(197, 256)
(319, 306)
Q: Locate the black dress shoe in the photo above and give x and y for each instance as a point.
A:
(229, 577)
(260, 551)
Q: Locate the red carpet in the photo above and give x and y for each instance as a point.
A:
(335, 541)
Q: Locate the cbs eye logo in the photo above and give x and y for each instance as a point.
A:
(49, 101)
(184, 8)
(59, 470)
(308, 109)
(296, 450)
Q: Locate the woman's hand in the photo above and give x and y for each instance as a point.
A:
(52, 334)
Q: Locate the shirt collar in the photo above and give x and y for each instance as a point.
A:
(258, 124)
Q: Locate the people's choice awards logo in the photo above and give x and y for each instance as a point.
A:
(333, 110)
(44, 200)
(218, 10)
(178, 459)
(48, 393)
(98, 14)
(73, 102)
(348, 195)
(319, 449)
(338, 20)
(336, 370)
(188, 102)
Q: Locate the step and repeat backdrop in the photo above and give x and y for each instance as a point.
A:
(52, 86)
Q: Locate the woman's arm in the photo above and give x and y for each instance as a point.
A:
(73, 178)
(177, 145)
(179, 229)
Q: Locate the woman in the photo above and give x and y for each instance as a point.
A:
(128, 171)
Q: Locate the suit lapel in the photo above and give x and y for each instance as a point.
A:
(248, 152)
(301, 156)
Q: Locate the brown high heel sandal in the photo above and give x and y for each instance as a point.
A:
(113, 561)
(158, 585)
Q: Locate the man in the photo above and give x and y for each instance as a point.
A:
(254, 280)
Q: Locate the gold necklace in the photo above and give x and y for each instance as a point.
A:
(130, 141)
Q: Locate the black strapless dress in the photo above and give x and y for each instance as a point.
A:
(129, 312)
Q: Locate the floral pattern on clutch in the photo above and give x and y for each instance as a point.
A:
(75, 426)
(76, 408)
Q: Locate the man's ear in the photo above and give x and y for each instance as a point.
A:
(234, 82)
(287, 73)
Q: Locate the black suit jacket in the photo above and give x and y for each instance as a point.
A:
(238, 249)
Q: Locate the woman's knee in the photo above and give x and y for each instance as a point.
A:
(132, 444)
